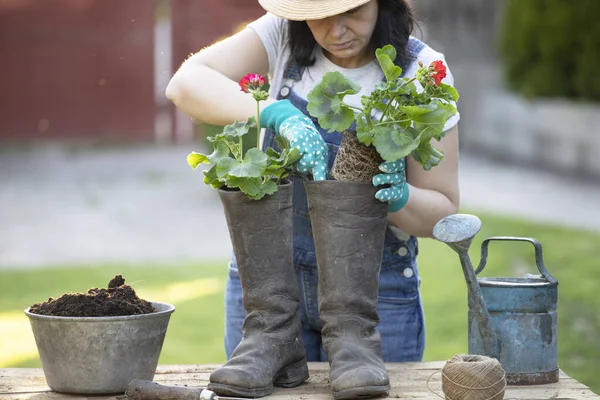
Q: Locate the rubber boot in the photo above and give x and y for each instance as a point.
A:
(271, 351)
(349, 226)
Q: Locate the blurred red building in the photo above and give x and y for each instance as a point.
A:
(95, 70)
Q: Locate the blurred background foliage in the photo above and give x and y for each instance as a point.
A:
(550, 48)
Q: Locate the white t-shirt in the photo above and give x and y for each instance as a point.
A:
(273, 31)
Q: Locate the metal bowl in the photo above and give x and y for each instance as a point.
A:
(99, 355)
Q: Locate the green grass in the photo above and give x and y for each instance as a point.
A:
(196, 328)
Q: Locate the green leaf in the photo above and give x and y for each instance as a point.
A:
(339, 118)
(277, 166)
(272, 153)
(235, 182)
(450, 90)
(256, 157)
(252, 166)
(380, 105)
(363, 133)
(275, 170)
(250, 187)
(210, 177)
(382, 86)
(255, 188)
(235, 148)
(421, 155)
(292, 157)
(416, 111)
(251, 122)
(236, 129)
(449, 108)
(225, 165)
(400, 86)
(403, 121)
(427, 156)
(434, 120)
(194, 159)
(325, 102)
(269, 187)
(220, 150)
(282, 142)
(386, 57)
(394, 143)
(435, 152)
(336, 84)
(432, 125)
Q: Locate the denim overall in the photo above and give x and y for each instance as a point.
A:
(401, 326)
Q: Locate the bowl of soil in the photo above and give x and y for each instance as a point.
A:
(99, 341)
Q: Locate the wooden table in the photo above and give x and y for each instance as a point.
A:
(409, 381)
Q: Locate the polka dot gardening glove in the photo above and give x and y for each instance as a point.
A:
(394, 175)
(303, 135)
(289, 122)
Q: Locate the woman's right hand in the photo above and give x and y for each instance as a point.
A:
(289, 122)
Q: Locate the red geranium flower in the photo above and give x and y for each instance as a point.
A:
(252, 82)
(438, 71)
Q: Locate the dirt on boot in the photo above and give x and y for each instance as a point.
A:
(118, 299)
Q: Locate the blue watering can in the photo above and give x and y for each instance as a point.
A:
(511, 319)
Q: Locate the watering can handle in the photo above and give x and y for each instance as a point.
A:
(538, 254)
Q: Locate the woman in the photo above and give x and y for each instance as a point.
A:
(296, 42)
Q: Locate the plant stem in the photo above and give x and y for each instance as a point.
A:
(387, 106)
(257, 125)
(392, 122)
(356, 108)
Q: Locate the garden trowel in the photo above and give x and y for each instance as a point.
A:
(140, 389)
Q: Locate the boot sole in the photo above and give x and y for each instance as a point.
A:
(223, 390)
(288, 377)
(362, 392)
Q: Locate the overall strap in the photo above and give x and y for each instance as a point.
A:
(293, 70)
(291, 74)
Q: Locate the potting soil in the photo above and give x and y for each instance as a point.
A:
(355, 162)
(117, 299)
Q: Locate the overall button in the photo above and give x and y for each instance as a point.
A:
(285, 91)
(408, 272)
(402, 250)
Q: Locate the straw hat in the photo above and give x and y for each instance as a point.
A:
(300, 10)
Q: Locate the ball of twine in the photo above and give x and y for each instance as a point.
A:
(473, 377)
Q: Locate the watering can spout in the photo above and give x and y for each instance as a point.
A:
(458, 231)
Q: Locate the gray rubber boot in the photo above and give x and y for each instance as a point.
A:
(349, 225)
(271, 351)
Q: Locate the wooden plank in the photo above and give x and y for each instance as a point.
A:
(408, 380)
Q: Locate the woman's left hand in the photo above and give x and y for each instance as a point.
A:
(394, 174)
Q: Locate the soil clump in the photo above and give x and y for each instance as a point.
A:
(116, 300)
